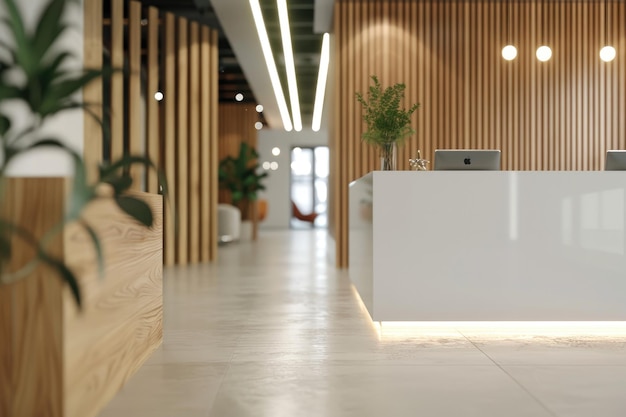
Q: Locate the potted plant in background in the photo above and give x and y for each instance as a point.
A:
(387, 123)
(240, 175)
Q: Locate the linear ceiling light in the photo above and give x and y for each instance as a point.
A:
(285, 33)
(321, 83)
(271, 65)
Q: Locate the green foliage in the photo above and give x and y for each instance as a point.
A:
(240, 176)
(33, 71)
(386, 121)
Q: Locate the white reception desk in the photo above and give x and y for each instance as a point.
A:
(485, 246)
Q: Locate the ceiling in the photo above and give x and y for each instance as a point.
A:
(241, 63)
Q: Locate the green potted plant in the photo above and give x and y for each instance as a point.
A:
(387, 122)
(34, 75)
(241, 176)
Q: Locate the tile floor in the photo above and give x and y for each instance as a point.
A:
(272, 329)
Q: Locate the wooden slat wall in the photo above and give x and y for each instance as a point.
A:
(194, 143)
(169, 138)
(182, 140)
(92, 58)
(212, 113)
(236, 126)
(190, 144)
(117, 79)
(136, 139)
(153, 119)
(558, 115)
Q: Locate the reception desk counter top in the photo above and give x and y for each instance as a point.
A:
(484, 246)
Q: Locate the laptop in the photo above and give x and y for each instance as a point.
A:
(467, 160)
(615, 161)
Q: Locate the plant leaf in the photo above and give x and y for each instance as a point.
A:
(82, 193)
(96, 245)
(5, 124)
(120, 184)
(5, 247)
(69, 85)
(8, 92)
(23, 48)
(62, 270)
(65, 273)
(137, 209)
(49, 28)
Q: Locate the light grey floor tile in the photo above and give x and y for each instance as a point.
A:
(576, 391)
(170, 390)
(358, 389)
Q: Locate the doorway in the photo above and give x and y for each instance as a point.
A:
(309, 187)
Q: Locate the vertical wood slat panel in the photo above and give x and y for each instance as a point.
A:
(31, 372)
(562, 114)
(182, 140)
(213, 145)
(135, 117)
(169, 139)
(205, 142)
(117, 79)
(194, 143)
(92, 93)
(153, 120)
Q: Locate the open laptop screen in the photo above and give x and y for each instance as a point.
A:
(615, 161)
(467, 159)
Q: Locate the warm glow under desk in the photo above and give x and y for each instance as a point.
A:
(485, 246)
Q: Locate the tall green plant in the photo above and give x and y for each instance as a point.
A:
(33, 71)
(386, 121)
(240, 176)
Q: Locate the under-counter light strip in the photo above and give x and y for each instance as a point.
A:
(321, 83)
(271, 65)
(290, 65)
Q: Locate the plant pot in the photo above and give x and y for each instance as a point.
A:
(388, 156)
(61, 362)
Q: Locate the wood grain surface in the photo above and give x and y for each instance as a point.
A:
(121, 323)
(54, 360)
(31, 345)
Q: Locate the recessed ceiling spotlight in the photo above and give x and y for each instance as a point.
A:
(239, 97)
(266, 165)
(274, 166)
(258, 125)
(607, 53)
(158, 96)
(275, 151)
(259, 108)
(509, 52)
(544, 53)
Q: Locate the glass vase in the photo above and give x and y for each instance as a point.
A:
(388, 156)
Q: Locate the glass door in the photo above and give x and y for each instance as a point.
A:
(309, 186)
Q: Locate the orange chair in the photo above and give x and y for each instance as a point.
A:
(301, 216)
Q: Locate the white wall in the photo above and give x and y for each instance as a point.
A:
(278, 182)
(68, 126)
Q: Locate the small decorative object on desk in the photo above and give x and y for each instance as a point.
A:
(418, 164)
